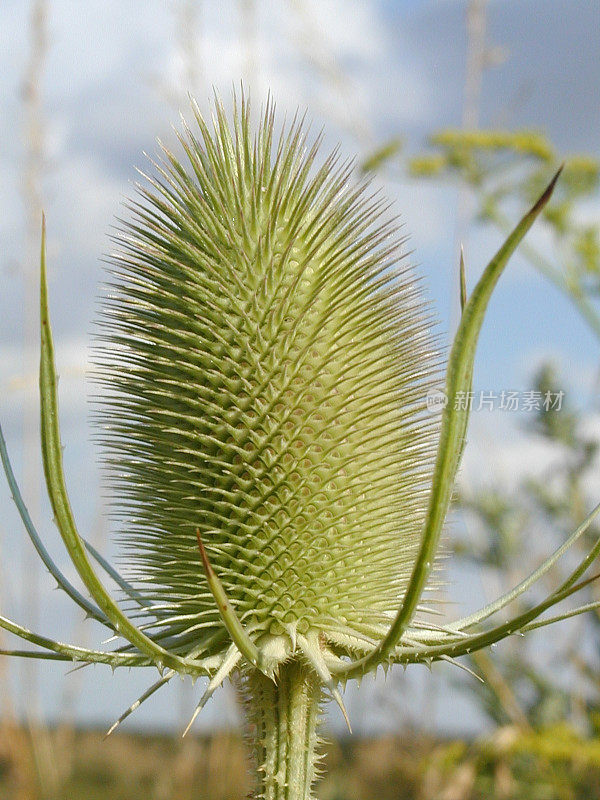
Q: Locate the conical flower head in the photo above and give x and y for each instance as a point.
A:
(266, 351)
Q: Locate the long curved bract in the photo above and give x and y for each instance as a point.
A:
(72, 652)
(90, 609)
(57, 492)
(452, 436)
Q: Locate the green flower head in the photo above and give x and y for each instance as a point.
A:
(267, 356)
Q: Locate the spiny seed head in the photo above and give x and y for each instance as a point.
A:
(266, 352)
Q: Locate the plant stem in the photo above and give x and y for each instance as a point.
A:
(283, 718)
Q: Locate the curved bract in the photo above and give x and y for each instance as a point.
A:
(265, 355)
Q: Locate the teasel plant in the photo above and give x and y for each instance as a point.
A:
(265, 355)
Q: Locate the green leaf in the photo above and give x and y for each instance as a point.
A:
(452, 434)
(55, 482)
(115, 575)
(73, 653)
(477, 641)
(90, 609)
(505, 599)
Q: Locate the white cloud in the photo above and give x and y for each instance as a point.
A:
(501, 452)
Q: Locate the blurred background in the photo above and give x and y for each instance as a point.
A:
(461, 110)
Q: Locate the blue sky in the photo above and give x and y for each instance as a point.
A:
(115, 77)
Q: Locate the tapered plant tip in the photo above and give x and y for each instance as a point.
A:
(312, 652)
(236, 630)
(229, 663)
(547, 194)
(137, 703)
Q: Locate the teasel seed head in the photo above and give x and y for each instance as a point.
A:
(265, 354)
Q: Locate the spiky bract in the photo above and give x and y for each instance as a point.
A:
(267, 354)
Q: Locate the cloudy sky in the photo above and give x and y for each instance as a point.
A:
(115, 76)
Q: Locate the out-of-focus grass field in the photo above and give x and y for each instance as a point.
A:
(66, 764)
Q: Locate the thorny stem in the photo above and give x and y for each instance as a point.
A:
(283, 716)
